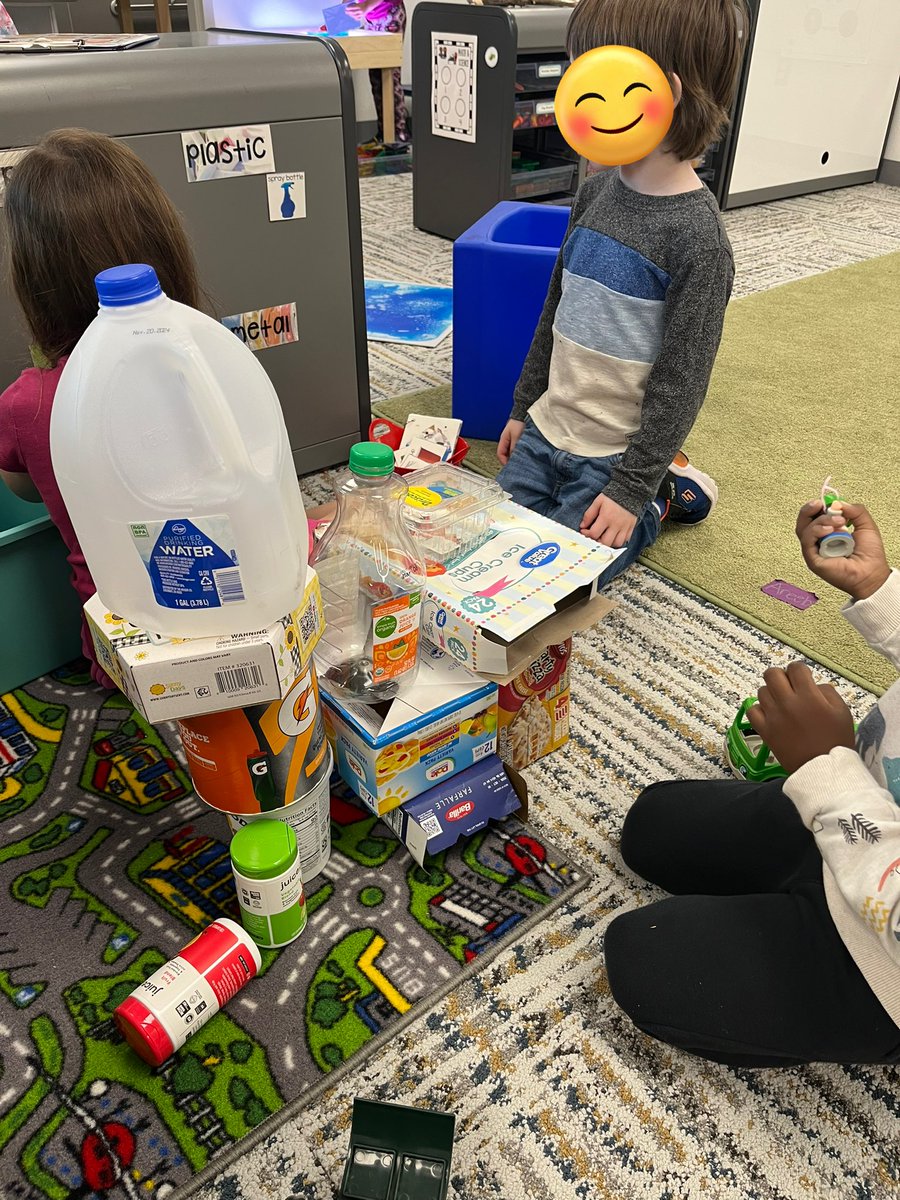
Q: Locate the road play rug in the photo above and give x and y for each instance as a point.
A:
(109, 864)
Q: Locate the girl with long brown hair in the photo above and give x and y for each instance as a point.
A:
(77, 204)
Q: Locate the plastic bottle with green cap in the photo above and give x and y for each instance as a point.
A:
(372, 575)
(265, 859)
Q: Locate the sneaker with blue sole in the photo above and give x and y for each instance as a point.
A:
(690, 494)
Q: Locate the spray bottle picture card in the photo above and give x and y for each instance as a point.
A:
(453, 85)
(287, 195)
(413, 314)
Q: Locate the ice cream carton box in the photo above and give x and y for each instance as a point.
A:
(389, 753)
(534, 708)
(170, 679)
(492, 610)
(458, 807)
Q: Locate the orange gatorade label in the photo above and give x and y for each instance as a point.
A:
(262, 758)
(395, 635)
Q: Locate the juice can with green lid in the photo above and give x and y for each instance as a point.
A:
(265, 859)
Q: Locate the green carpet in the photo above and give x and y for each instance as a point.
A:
(109, 864)
(805, 386)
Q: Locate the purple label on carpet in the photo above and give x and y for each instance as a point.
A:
(790, 594)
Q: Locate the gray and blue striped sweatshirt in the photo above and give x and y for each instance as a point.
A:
(624, 348)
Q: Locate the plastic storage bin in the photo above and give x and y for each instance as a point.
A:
(40, 616)
(449, 512)
(548, 176)
(540, 76)
(501, 272)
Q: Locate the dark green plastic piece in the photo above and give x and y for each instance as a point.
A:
(398, 1153)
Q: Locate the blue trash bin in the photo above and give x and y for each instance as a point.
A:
(501, 272)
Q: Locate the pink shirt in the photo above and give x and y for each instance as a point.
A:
(25, 449)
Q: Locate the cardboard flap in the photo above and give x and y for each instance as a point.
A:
(555, 630)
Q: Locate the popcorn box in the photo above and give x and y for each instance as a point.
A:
(458, 807)
(534, 709)
(443, 722)
(492, 610)
(167, 679)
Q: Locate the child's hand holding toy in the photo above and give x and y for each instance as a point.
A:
(799, 719)
(860, 575)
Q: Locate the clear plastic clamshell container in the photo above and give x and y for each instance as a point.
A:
(449, 513)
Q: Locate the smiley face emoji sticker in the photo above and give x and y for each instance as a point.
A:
(614, 105)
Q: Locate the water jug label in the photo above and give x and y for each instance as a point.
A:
(191, 564)
(395, 635)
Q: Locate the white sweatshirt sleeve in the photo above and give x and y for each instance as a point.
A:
(878, 618)
(855, 821)
(856, 825)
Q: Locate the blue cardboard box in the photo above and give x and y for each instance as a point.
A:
(435, 727)
(458, 807)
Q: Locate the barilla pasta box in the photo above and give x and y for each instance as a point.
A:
(534, 708)
(458, 808)
(169, 679)
(491, 610)
(441, 723)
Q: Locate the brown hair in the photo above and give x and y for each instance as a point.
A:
(76, 204)
(697, 40)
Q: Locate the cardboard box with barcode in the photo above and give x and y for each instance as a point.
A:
(166, 680)
(389, 753)
(458, 808)
(526, 588)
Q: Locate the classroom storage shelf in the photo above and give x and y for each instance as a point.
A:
(511, 148)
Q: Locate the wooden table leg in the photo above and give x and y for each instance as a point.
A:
(163, 16)
(389, 116)
(126, 16)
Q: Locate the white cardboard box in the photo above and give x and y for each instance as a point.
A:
(166, 680)
(493, 610)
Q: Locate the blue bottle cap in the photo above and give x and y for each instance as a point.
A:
(132, 284)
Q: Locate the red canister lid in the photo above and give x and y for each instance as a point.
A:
(143, 1032)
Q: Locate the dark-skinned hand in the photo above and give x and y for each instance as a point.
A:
(860, 575)
(799, 719)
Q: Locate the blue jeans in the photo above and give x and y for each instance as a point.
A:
(562, 486)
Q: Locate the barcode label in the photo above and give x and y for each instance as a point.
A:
(309, 623)
(394, 820)
(431, 826)
(239, 679)
(228, 584)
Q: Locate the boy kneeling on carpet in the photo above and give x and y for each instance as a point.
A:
(624, 348)
(781, 943)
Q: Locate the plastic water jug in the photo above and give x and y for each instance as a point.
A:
(371, 574)
(170, 451)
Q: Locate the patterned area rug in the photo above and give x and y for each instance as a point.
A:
(109, 864)
(556, 1094)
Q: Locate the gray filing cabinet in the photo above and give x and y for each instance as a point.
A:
(301, 89)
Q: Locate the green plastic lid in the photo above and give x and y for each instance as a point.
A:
(264, 849)
(372, 459)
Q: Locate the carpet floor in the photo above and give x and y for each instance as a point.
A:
(110, 864)
(557, 1095)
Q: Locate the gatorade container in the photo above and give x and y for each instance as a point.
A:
(371, 573)
(266, 864)
(171, 454)
(178, 999)
(268, 760)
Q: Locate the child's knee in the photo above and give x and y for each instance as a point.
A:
(639, 842)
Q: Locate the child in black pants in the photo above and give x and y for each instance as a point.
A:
(781, 942)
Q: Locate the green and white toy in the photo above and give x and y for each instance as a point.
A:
(748, 755)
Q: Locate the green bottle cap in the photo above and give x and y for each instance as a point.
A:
(264, 849)
(372, 459)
